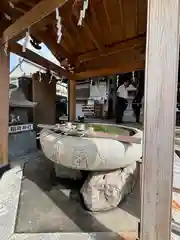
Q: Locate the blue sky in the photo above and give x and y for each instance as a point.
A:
(45, 52)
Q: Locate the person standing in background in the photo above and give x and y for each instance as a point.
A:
(121, 101)
(137, 102)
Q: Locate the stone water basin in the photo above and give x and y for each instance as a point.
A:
(92, 147)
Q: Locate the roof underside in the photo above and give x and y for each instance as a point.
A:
(111, 39)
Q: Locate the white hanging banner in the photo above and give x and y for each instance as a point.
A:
(83, 12)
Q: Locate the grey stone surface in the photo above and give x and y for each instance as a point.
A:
(22, 113)
(10, 185)
(105, 190)
(72, 211)
(67, 236)
(39, 169)
(38, 213)
(21, 144)
(55, 211)
(65, 173)
(123, 219)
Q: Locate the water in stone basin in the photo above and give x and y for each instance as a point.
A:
(109, 129)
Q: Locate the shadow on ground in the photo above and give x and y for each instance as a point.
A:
(46, 208)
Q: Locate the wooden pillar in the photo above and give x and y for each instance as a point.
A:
(71, 100)
(162, 53)
(4, 107)
(44, 92)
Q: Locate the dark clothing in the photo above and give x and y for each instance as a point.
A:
(121, 105)
(136, 105)
(110, 108)
(137, 110)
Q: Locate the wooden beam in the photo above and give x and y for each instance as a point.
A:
(14, 13)
(4, 105)
(107, 15)
(33, 57)
(128, 67)
(41, 10)
(117, 59)
(127, 57)
(136, 43)
(45, 94)
(39, 26)
(57, 50)
(72, 99)
(162, 57)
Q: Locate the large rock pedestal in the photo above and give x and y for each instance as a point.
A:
(104, 191)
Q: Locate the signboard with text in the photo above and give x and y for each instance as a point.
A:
(21, 128)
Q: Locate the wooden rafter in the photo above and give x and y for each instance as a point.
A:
(138, 43)
(11, 12)
(90, 33)
(75, 30)
(107, 14)
(37, 30)
(52, 32)
(126, 56)
(56, 49)
(69, 37)
(126, 67)
(31, 56)
(121, 18)
(41, 10)
(93, 37)
(94, 16)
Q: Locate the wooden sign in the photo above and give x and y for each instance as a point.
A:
(20, 128)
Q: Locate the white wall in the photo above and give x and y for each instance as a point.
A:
(79, 108)
(98, 90)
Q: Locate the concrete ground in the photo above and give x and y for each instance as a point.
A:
(47, 208)
(43, 208)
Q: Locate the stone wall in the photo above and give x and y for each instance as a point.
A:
(21, 144)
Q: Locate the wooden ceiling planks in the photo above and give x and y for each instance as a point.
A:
(106, 28)
(121, 19)
(125, 56)
(93, 18)
(130, 17)
(108, 17)
(116, 19)
(86, 31)
(142, 13)
(136, 43)
(103, 22)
